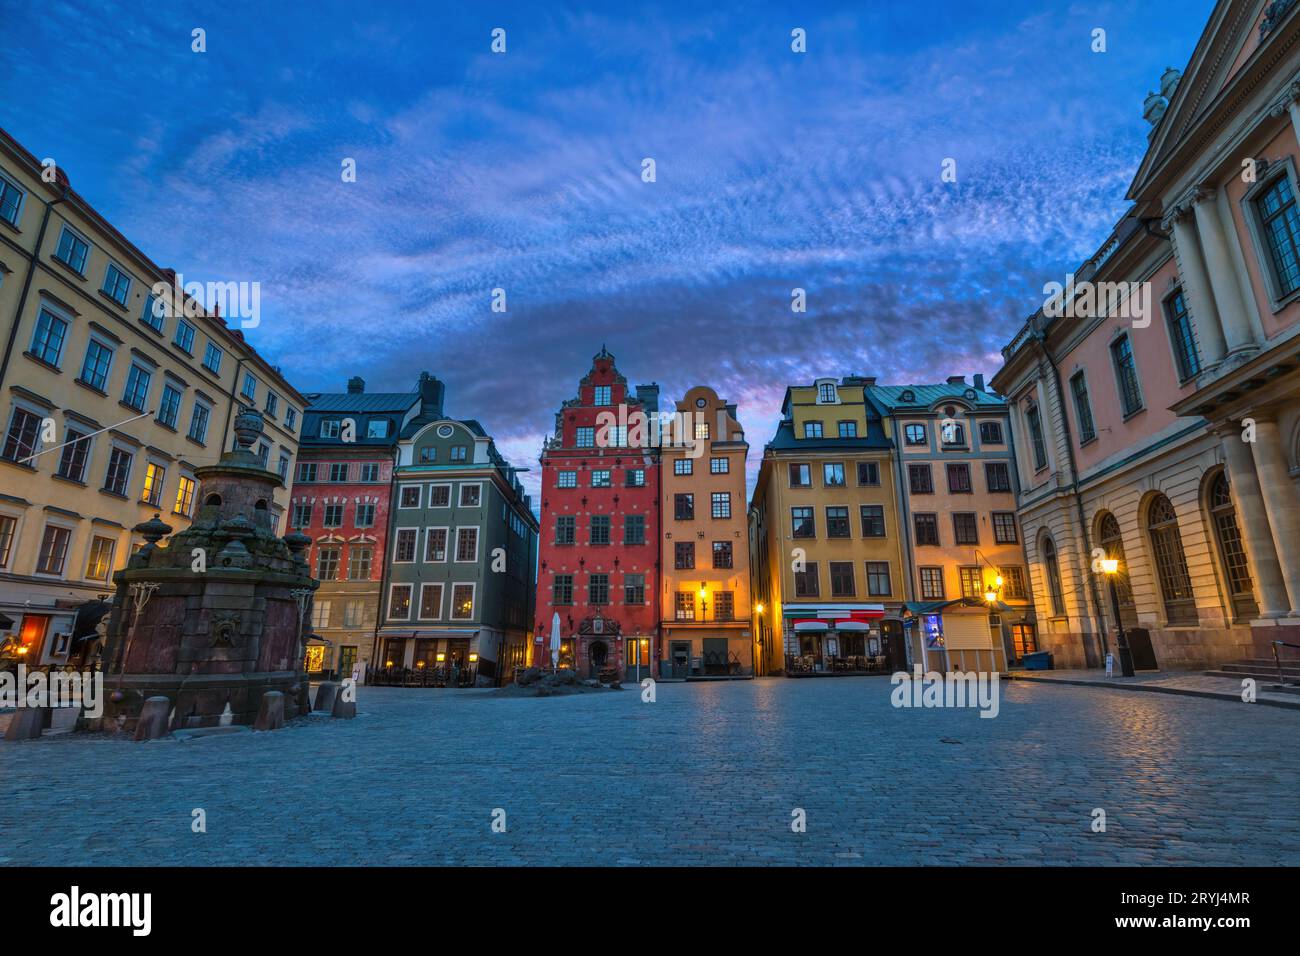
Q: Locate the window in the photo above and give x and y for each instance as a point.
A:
(1181, 336)
(72, 459)
(720, 503)
(117, 284)
(435, 545)
(119, 471)
(169, 409)
(722, 557)
(800, 476)
(404, 545)
(931, 584)
(320, 614)
(471, 496)
(812, 429)
(565, 529)
(354, 613)
(685, 606)
(959, 479)
(634, 529)
(586, 437)
(702, 431)
(399, 602)
(635, 477)
(803, 524)
(927, 528)
(249, 388)
(953, 433)
(408, 496)
(330, 428)
(1004, 527)
(833, 474)
(599, 529)
(567, 479)
(369, 471)
(1171, 562)
(153, 483)
(634, 589)
(339, 475)
(439, 496)
(1013, 583)
(199, 423)
(1277, 212)
(1130, 393)
(375, 428)
(467, 544)
(54, 550)
(72, 250)
(868, 473)
(212, 359)
(7, 526)
(11, 200)
(562, 589)
(462, 602)
(972, 582)
(47, 341)
(848, 429)
(873, 521)
(1232, 554)
(365, 515)
(826, 394)
(724, 606)
(719, 466)
(136, 392)
(997, 476)
(94, 370)
(307, 471)
(1035, 420)
(920, 480)
(914, 434)
(598, 589)
(991, 433)
(290, 418)
(602, 478)
(1052, 570)
(333, 516)
(100, 562)
(300, 517)
(684, 507)
(20, 439)
(878, 579)
(683, 555)
(1082, 408)
(965, 528)
(327, 564)
(184, 336)
(601, 395)
(837, 522)
(1112, 542)
(459, 452)
(682, 466)
(805, 581)
(273, 403)
(841, 573)
(431, 601)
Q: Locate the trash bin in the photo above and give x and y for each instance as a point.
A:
(1038, 661)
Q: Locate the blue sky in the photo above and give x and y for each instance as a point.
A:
(522, 171)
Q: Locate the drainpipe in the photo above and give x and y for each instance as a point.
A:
(904, 494)
(27, 281)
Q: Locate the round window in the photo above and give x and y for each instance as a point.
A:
(444, 431)
(700, 403)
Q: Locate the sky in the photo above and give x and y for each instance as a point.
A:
(523, 171)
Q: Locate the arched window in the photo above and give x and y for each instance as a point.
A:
(1112, 542)
(1236, 570)
(1171, 562)
(1052, 569)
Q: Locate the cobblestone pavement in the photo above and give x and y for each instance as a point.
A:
(1179, 682)
(709, 774)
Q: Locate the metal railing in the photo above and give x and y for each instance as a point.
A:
(1277, 661)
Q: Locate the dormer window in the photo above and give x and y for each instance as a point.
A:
(377, 428)
(908, 396)
(826, 393)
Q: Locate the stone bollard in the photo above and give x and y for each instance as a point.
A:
(27, 723)
(326, 694)
(152, 722)
(344, 708)
(270, 712)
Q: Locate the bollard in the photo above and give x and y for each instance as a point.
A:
(270, 712)
(346, 709)
(326, 695)
(27, 723)
(152, 722)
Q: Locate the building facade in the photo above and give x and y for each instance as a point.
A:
(341, 499)
(1161, 425)
(109, 403)
(599, 567)
(956, 482)
(460, 582)
(827, 547)
(704, 549)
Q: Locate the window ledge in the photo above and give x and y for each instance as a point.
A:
(121, 306)
(68, 266)
(1133, 414)
(91, 388)
(44, 364)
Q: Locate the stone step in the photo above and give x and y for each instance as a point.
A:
(1260, 676)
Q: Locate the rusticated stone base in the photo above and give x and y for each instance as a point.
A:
(201, 699)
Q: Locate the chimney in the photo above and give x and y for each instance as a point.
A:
(979, 382)
(956, 379)
(431, 395)
(356, 385)
(649, 397)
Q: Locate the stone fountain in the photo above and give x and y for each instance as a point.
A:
(212, 619)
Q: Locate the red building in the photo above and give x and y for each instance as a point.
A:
(600, 525)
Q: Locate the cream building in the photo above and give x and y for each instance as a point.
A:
(108, 404)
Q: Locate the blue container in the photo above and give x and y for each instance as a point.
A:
(1038, 661)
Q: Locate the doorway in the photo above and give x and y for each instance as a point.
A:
(597, 655)
(681, 658)
(347, 660)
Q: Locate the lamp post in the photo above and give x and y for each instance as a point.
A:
(1111, 567)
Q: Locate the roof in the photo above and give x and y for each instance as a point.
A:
(365, 407)
(784, 440)
(361, 401)
(927, 396)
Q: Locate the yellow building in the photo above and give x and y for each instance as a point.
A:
(705, 549)
(828, 581)
(108, 401)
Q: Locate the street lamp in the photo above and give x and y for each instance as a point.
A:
(704, 601)
(1111, 567)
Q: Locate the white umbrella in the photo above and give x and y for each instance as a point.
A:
(555, 640)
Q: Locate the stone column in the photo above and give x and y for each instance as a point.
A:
(1281, 503)
(1196, 287)
(1223, 281)
(1252, 521)
(1289, 104)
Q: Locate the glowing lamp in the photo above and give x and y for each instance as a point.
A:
(1110, 565)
